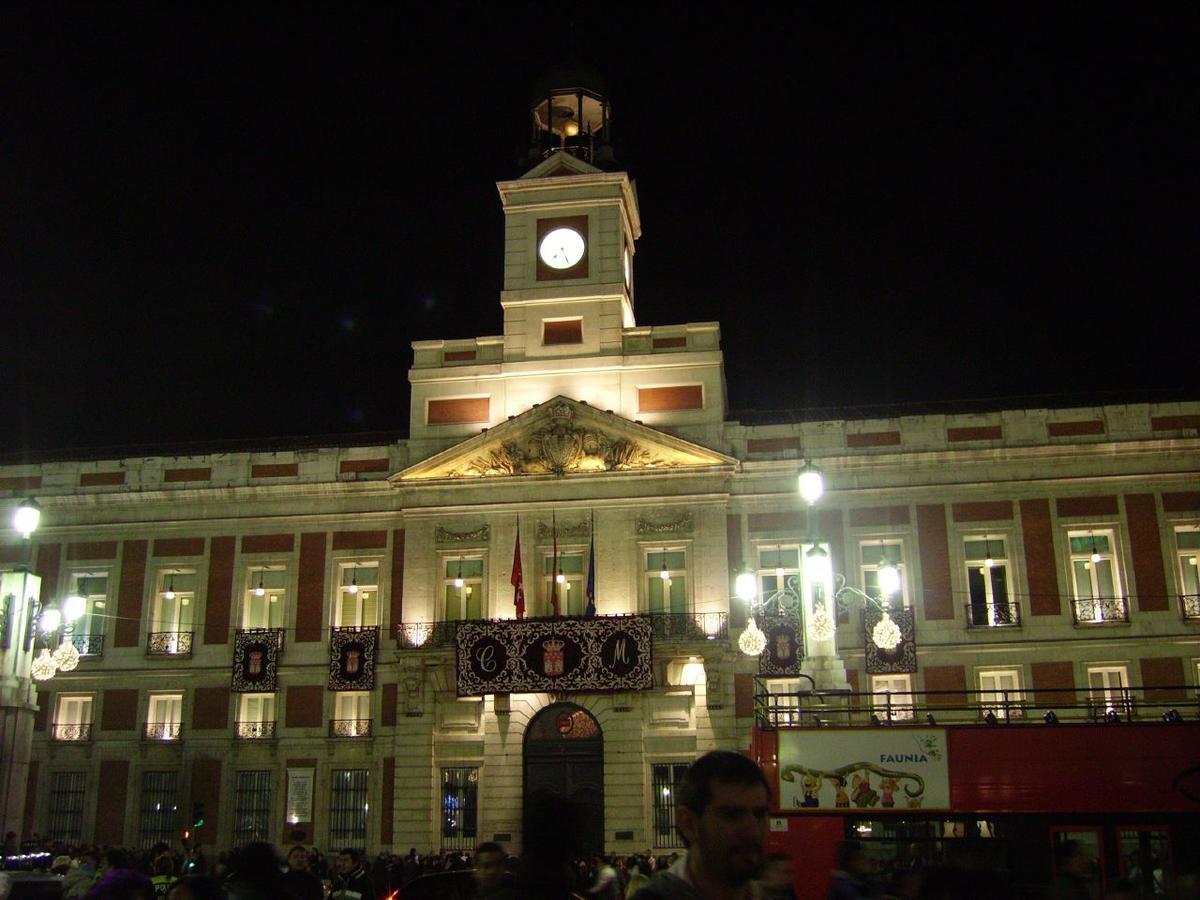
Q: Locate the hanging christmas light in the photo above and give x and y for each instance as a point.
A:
(66, 656)
(886, 633)
(753, 641)
(820, 625)
(43, 667)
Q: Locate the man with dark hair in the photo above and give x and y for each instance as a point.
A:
(299, 879)
(491, 878)
(721, 813)
(352, 881)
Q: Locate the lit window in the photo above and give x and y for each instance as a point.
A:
(1000, 692)
(251, 807)
(665, 578)
(357, 603)
(1187, 555)
(352, 714)
(462, 587)
(460, 808)
(72, 717)
(892, 696)
(263, 598)
(777, 565)
(348, 808)
(1108, 690)
(665, 778)
(987, 582)
(163, 717)
(159, 808)
(878, 556)
(571, 601)
(173, 611)
(1095, 578)
(88, 631)
(783, 700)
(256, 716)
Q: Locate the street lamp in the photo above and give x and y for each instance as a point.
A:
(26, 517)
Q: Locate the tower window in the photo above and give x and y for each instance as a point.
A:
(562, 331)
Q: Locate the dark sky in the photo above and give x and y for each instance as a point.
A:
(229, 221)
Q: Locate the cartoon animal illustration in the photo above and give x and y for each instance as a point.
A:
(840, 799)
(887, 790)
(811, 785)
(861, 790)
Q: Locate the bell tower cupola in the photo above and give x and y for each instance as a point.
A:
(570, 113)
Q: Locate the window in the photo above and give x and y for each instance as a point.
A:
(571, 601)
(892, 696)
(72, 718)
(171, 621)
(783, 701)
(666, 579)
(664, 778)
(1095, 578)
(352, 714)
(256, 716)
(877, 555)
(159, 805)
(1187, 554)
(1000, 693)
(1108, 690)
(263, 598)
(987, 583)
(67, 792)
(88, 634)
(348, 808)
(357, 604)
(562, 331)
(776, 567)
(460, 808)
(462, 587)
(163, 717)
(251, 807)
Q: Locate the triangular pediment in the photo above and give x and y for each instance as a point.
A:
(561, 163)
(563, 437)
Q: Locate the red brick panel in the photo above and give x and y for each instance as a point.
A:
(397, 605)
(310, 593)
(178, 547)
(458, 355)
(879, 515)
(275, 470)
(937, 601)
(210, 709)
(219, 604)
(387, 802)
(743, 694)
(1149, 569)
(852, 678)
(199, 473)
(1075, 429)
(946, 678)
(119, 709)
(974, 433)
(671, 399)
(1174, 423)
(1181, 501)
(12, 553)
(772, 445)
(45, 704)
(1087, 506)
(20, 482)
(1164, 673)
(268, 543)
(667, 343)
(349, 466)
(873, 439)
(31, 798)
(1041, 568)
(389, 700)
(92, 550)
(49, 560)
(206, 789)
(110, 803)
(565, 332)
(303, 706)
(359, 540)
(131, 594)
(459, 411)
(984, 511)
(733, 558)
(101, 479)
(792, 521)
(1053, 683)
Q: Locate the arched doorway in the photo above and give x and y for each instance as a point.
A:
(564, 782)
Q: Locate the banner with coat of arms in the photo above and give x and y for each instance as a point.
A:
(612, 653)
(900, 659)
(256, 660)
(352, 659)
(785, 645)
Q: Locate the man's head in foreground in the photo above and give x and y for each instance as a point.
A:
(489, 864)
(721, 812)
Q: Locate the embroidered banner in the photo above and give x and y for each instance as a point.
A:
(352, 659)
(256, 660)
(612, 653)
(785, 645)
(900, 659)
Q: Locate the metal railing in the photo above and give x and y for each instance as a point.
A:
(71, 732)
(278, 634)
(811, 709)
(709, 626)
(1189, 605)
(88, 644)
(254, 731)
(994, 615)
(1100, 611)
(169, 643)
(162, 731)
(350, 728)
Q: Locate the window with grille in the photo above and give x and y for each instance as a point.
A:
(460, 808)
(251, 807)
(348, 808)
(987, 580)
(67, 793)
(159, 808)
(665, 777)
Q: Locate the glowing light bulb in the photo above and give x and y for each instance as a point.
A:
(746, 586)
(889, 579)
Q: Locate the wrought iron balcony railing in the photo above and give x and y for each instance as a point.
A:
(993, 615)
(1100, 611)
(1189, 604)
(811, 709)
(71, 732)
(350, 728)
(277, 633)
(162, 731)
(88, 644)
(255, 731)
(169, 643)
(709, 626)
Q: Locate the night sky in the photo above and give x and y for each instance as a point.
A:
(228, 223)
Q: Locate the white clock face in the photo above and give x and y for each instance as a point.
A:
(561, 248)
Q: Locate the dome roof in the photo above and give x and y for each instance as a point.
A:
(569, 76)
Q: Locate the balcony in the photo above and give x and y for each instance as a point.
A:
(254, 731)
(71, 733)
(161, 731)
(169, 643)
(710, 626)
(89, 644)
(1101, 611)
(350, 728)
(1189, 605)
(993, 615)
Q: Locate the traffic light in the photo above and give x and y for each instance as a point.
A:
(197, 815)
